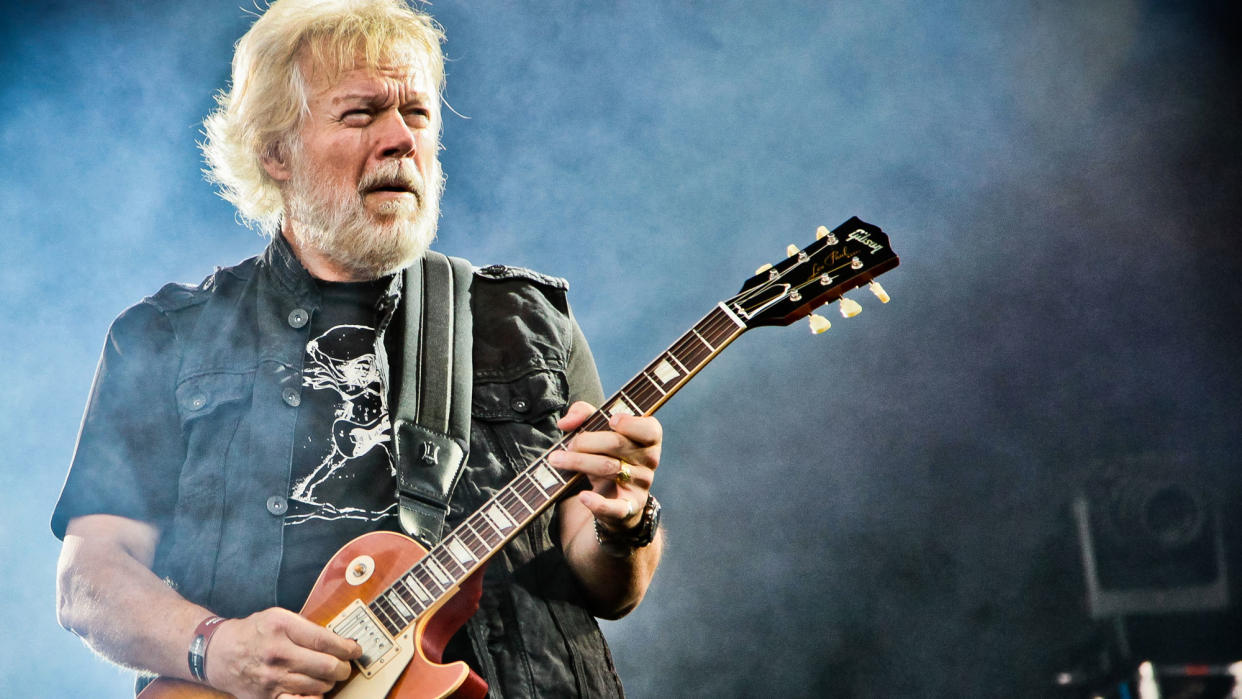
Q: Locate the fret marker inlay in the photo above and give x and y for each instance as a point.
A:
(665, 372)
(545, 477)
(417, 587)
(499, 518)
(459, 552)
(400, 604)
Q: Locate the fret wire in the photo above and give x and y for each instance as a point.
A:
(382, 605)
(454, 544)
(541, 466)
(377, 607)
(393, 595)
(532, 494)
(652, 382)
(641, 399)
(713, 330)
(669, 354)
(528, 489)
(482, 544)
(427, 580)
(394, 609)
(411, 581)
(447, 563)
(722, 327)
(509, 500)
(411, 597)
(687, 348)
(492, 539)
(397, 589)
(629, 401)
(450, 566)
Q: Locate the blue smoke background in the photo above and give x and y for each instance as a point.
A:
(880, 511)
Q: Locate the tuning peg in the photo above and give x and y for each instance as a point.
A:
(823, 232)
(763, 268)
(819, 324)
(879, 292)
(849, 307)
(791, 250)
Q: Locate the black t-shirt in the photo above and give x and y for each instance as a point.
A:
(343, 479)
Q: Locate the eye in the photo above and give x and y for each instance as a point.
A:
(418, 118)
(356, 117)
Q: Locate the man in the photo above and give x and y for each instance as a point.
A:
(240, 431)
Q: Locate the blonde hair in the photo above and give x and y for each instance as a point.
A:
(267, 98)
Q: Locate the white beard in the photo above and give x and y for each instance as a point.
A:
(334, 220)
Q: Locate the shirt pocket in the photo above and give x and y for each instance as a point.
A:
(206, 394)
(528, 398)
(514, 421)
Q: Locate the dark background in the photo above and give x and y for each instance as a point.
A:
(880, 511)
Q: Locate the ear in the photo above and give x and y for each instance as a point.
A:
(275, 161)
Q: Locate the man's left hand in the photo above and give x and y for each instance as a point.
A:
(620, 464)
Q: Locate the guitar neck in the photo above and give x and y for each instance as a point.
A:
(850, 255)
(464, 550)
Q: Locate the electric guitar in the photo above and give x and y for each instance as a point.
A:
(402, 603)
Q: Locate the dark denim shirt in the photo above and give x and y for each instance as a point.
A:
(190, 426)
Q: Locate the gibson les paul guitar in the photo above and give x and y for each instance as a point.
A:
(402, 603)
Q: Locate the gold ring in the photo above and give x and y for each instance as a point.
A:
(623, 474)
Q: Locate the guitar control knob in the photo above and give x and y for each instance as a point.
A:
(819, 324)
(849, 307)
(822, 232)
(879, 292)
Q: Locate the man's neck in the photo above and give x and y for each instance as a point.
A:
(315, 262)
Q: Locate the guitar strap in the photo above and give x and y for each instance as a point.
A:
(432, 419)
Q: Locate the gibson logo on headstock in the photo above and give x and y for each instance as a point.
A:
(863, 237)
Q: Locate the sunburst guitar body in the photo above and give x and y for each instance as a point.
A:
(404, 664)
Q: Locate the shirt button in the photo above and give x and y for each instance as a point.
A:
(197, 401)
(519, 404)
(277, 505)
(291, 397)
(298, 317)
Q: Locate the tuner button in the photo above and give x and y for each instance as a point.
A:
(879, 292)
(763, 269)
(791, 250)
(821, 232)
(819, 324)
(849, 307)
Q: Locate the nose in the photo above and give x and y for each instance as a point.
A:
(395, 137)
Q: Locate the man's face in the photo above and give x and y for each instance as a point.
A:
(364, 185)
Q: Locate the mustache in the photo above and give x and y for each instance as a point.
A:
(394, 175)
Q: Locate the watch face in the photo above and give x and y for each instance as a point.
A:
(650, 522)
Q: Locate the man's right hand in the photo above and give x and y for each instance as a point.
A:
(276, 653)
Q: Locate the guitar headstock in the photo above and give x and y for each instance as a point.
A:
(852, 254)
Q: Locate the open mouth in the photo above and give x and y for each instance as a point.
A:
(398, 188)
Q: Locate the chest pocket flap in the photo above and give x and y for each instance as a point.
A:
(524, 399)
(201, 395)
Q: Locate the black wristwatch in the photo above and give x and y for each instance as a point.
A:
(641, 535)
